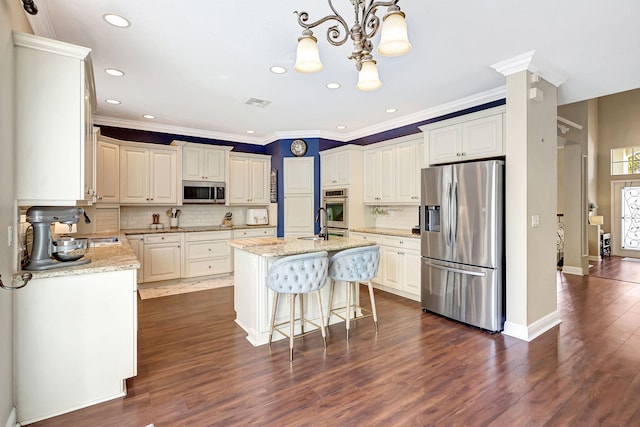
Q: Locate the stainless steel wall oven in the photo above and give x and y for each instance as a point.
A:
(336, 202)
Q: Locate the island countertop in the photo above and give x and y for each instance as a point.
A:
(271, 247)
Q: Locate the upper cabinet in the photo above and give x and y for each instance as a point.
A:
(249, 179)
(392, 171)
(54, 103)
(201, 162)
(148, 175)
(470, 137)
(380, 175)
(340, 167)
(107, 172)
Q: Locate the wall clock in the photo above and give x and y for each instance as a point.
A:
(298, 147)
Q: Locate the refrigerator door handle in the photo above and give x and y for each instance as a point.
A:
(456, 270)
(454, 215)
(447, 203)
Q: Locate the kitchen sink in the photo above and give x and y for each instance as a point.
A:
(311, 238)
(101, 241)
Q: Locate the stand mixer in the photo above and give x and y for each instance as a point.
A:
(67, 251)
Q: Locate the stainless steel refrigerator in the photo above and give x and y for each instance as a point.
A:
(462, 242)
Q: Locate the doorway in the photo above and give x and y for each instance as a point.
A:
(625, 218)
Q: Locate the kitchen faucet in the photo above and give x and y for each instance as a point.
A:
(325, 233)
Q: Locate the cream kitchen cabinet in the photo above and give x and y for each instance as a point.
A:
(249, 179)
(475, 136)
(162, 256)
(137, 245)
(408, 166)
(207, 253)
(148, 175)
(254, 232)
(75, 342)
(341, 167)
(202, 163)
(401, 271)
(108, 172)
(380, 175)
(55, 100)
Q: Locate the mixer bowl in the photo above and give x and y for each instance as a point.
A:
(69, 248)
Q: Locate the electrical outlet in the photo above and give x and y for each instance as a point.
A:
(10, 235)
(535, 221)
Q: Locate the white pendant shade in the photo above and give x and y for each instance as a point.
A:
(307, 56)
(394, 40)
(368, 77)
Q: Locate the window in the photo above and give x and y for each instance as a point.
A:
(625, 161)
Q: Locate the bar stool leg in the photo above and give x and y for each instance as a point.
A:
(292, 306)
(274, 308)
(322, 328)
(373, 305)
(301, 297)
(331, 287)
(348, 308)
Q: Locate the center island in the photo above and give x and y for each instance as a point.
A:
(253, 300)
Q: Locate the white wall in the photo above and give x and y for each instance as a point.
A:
(11, 16)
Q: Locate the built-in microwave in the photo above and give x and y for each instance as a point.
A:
(336, 203)
(203, 192)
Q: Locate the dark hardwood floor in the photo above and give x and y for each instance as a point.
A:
(197, 369)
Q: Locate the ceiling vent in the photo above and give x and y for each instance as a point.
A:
(258, 102)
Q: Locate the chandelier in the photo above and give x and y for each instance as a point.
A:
(393, 39)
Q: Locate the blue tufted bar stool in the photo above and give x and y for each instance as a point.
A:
(354, 266)
(297, 275)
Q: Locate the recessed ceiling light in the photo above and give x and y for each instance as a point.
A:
(114, 72)
(149, 116)
(116, 20)
(276, 69)
(341, 127)
(250, 131)
(333, 85)
(112, 101)
(391, 110)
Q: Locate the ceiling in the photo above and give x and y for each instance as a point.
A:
(194, 63)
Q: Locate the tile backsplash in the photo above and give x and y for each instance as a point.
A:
(190, 215)
(403, 217)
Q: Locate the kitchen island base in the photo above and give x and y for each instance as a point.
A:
(253, 300)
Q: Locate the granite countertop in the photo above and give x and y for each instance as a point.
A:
(270, 247)
(198, 228)
(104, 258)
(398, 232)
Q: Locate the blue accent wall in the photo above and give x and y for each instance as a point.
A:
(280, 149)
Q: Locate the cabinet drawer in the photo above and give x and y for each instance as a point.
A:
(209, 249)
(402, 242)
(206, 267)
(370, 237)
(162, 238)
(258, 232)
(207, 235)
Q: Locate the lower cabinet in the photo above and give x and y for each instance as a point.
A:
(207, 253)
(162, 256)
(137, 245)
(399, 270)
(254, 232)
(75, 342)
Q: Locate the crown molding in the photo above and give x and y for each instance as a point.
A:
(41, 23)
(175, 130)
(530, 61)
(53, 46)
(431, 113)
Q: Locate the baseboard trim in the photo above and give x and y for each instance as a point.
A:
(577, 271)
(534, 330)
(12, 420)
